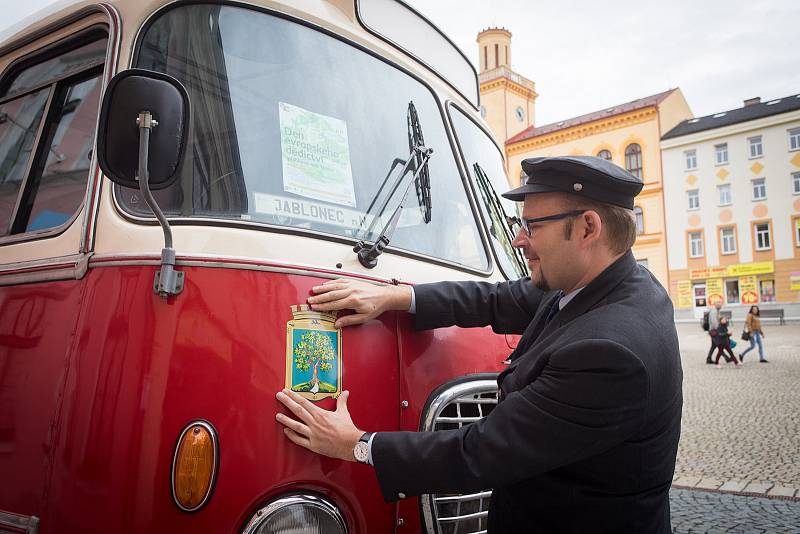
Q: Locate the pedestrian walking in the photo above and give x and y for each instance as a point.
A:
(724, 343)
(754, 334)
(713, 322)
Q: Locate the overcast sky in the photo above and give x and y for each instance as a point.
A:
(586, 55)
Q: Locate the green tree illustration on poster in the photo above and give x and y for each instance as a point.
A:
(314, 351)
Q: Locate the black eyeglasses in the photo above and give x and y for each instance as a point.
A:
(516, 223)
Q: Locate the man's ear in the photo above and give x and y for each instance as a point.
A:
(592, 227)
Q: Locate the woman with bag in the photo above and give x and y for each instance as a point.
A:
(724, 343)
(753, 333)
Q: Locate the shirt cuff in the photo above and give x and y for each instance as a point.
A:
(369, 445)
(413, 307)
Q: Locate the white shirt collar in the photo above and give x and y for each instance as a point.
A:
(568, 297)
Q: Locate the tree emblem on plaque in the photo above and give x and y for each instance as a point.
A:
(313, 354)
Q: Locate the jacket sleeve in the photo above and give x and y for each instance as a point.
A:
(748, 323)
(590, 397)
(508, 307)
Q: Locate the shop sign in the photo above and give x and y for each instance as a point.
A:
(740, 269)
(714, 291)
(684, 294)
(745, 269)
(748, 289)
(711, 272)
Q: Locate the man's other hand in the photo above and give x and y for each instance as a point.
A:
(328, 433)
(367, 300)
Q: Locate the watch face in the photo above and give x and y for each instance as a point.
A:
(361, 452)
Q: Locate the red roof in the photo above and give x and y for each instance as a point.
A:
(645, 102)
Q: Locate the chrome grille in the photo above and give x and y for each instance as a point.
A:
(455, 407)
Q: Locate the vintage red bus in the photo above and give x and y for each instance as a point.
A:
(320, 139)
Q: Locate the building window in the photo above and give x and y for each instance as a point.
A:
(690, 156)
(756, 149)
(633, 159)
(796, 183)
(604, 154)
(486, 58)
(796, 228)
(762, 237)
(732, 291)
(496, 55)
(794, 139)
(721, 152)
(520, 113)
(724, 192)
(695, 244)
(639, 214)
(727, 237)
(694, 199)
(759, 188)
(767, 290)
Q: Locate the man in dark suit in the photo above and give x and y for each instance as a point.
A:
(585, 435)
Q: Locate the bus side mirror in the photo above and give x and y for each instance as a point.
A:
(128, 94)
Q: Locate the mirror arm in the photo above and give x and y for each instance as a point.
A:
(167, 281)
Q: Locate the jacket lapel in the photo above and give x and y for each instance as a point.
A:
(584, 301)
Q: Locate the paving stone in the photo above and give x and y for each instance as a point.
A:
(709, 483)
(713, 511)
(734, 485)
(741, 424)
(687, 481)
(782, 491)
(739, 428)
(758, 487)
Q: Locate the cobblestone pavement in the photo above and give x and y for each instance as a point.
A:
(741, 426)
(695, 511)
(738, 467)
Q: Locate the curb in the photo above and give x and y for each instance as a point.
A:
(741, 493)
(748, 488)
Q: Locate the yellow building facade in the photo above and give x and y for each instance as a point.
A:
(629, 135)
(507, 99)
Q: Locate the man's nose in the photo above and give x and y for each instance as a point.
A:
(520, 240)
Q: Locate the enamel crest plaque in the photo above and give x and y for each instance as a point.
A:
(313, 354)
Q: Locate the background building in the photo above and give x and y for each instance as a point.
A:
(732, 194)
(507, 99)
(629, 135)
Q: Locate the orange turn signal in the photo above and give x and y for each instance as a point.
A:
(194, 467)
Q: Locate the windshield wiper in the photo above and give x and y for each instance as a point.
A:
(422, 178)
(417, 162)
(493, 201)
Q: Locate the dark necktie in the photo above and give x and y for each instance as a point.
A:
(554, 307)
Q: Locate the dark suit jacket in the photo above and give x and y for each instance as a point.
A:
(586, 433)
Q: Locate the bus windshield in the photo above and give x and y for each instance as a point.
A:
(295, 128)
(485, 165)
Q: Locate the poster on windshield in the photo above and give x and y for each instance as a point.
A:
(316, 156)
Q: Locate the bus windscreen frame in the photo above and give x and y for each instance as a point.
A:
(389, 20)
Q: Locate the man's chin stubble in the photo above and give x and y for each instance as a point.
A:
(541, 283)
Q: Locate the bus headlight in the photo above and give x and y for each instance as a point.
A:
(295, 514)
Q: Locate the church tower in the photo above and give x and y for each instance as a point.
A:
(507, 99)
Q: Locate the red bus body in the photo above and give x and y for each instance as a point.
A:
(99, 375)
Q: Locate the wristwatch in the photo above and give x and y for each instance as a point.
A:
(361, 450)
